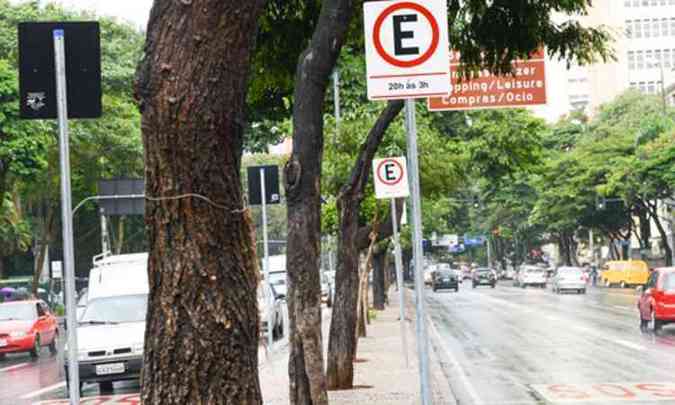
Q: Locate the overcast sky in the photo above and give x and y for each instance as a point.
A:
(134, 11)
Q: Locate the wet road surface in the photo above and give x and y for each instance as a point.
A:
(530, 346)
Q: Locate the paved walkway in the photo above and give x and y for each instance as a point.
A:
(382, 378)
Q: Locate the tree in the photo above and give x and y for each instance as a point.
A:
(201, 343)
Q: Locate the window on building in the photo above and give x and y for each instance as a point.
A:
(633, 85)
(639, 60)
(666, 58)
(663, 2)
(656, 28)
(646, 29)
(664, 27)
(627, 3)
(655, 3)
(649, 59)
(629, 29)
(657, 56)
(637, 28)
(672, 26)
(643, 87)
(651, 88)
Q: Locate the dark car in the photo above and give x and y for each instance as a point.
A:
(484, 276)
(445, 279)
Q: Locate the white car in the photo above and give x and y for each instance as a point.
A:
(530, 276)
(569, 279)
(111, 330)
(270, 304)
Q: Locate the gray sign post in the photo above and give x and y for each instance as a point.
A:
(399, 278)
(266, 262)
(414, 180)
(66, 208)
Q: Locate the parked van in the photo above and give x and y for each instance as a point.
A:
(111, 329)
(625, 273)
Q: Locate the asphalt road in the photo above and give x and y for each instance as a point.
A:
(530, 346)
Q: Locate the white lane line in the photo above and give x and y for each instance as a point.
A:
(631, 345)
(14, 367)
(476, 400)
(44, 390)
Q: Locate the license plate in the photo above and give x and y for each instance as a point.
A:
(3, 342)
(107, 369)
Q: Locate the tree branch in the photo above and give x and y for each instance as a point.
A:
(359, 177)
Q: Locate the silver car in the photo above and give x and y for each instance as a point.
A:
(569, 279)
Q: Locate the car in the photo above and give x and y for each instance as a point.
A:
(445, 279)
(658, 297)
(270, 305)
(484, 276)
(466, 272)
(81, 303)
(111, 330)
(625, 273)
(326, 290)
(530, 276)
(569, 279)
(27, 326)
(428, 274)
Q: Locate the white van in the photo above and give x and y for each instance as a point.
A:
(111, 330)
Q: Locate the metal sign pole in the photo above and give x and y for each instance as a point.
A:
(270, 303)
(66, 207)
(399, 280)
(422, 337)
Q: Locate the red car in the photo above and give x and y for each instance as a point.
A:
(658, 298)
(27, 326)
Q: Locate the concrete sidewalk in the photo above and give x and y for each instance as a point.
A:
(381, 376)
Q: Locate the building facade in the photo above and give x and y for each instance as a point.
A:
(644, 48)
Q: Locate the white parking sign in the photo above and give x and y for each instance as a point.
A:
(391, 178)
(407, 49)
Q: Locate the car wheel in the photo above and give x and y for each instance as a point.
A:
(583, 291)
(623, 284)
(523, 286)
(105, 387)
(608, 284)
(54, 345)
(35, 351)
(494, 285)
(433, 289)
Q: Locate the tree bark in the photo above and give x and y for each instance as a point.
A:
(303, 189)
(202, 327)
(351, 241)
(379, 279)
(119, 241)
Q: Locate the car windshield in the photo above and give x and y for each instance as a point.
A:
(669, 282)
(118, 309)
(534, 271)
(18, 312)
(444, 273)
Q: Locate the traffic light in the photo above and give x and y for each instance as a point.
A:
(600, 203)
(476, 202)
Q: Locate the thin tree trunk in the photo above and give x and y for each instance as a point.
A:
(202, 327)
(119, 241)
(303, 190)
(44, 241)
(380, 278)
(2, 267)
(362, 312)
(654, 214)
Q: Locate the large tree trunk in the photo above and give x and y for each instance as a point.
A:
(201, 339)
(351, 241)
(303, 190)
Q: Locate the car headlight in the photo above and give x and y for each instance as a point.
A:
(82, 355)
(17, 334)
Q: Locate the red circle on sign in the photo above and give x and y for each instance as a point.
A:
(406, 63)
(387, 182)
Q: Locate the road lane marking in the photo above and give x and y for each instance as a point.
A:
(606, 392)
(45, 390)
(476, 400)
(14, 367)
(631, 345)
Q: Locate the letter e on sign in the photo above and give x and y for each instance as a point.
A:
(391, 178)
(407, 49)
